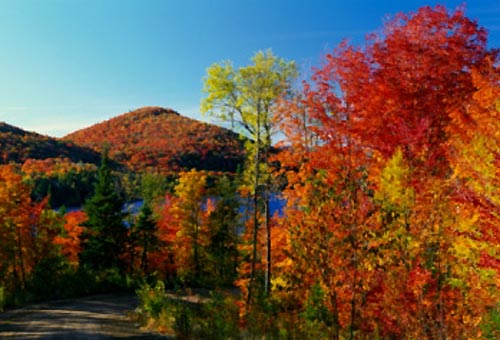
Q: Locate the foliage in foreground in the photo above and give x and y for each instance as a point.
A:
(392, 193)
(218, 317)
(215, 318)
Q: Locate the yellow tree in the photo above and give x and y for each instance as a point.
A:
(246, 97)
(189, 212)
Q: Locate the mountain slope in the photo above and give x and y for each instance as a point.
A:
(17, 145)
(162, 140)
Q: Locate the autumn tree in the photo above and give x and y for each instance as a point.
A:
(105, 234)
(394, 103)
(328, 214)
(246, 97)
(27, 231)
(15, 232)
(400, 86)
(376, 212)
(69, 239)
(191, 238)
(163, 258)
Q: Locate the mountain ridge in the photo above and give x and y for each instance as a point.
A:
(18, 145)
(157, 139)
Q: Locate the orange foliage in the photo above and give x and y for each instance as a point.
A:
(26, 229)
(163, 259)
(182, 228)
(70, 241)
(392, 180)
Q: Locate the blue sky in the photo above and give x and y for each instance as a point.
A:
(67, 64)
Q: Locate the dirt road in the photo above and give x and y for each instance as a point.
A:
(97, 317)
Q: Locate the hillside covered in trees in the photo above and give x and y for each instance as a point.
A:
(18, 145)
(150, 140)
(156, 139)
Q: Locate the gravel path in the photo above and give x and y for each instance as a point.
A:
(96, 317)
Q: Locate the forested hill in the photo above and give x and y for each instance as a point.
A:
(162, 140)
(17, 145)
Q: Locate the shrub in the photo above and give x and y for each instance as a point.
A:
(152, 300)
(220, 318)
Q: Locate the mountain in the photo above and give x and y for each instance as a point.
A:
(17, 145)
(161, 140)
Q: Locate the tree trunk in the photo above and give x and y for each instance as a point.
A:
(267, 217)
(267, 283)
(255, 211)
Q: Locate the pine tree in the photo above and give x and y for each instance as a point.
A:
(105, 234)
(224, 223)
(144, 233)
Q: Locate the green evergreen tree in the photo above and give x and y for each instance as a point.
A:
(144, 235)
(105, 234)
(224, 223)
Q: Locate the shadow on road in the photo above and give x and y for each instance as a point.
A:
(97, 317)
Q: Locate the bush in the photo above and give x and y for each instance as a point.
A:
(214, 319)
(152, 300)
(163, 314)
(221, 318)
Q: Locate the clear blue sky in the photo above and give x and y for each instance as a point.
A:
(67, 64)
